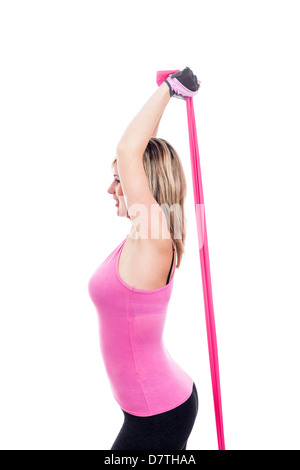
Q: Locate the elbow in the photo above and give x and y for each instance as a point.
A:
(122, 149)
(129, 148)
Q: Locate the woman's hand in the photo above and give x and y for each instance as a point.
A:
(183, 84)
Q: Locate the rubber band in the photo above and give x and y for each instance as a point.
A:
(204, 261)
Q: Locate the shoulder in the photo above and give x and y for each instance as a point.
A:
(152, 246)
(150, 261)
(156, 254)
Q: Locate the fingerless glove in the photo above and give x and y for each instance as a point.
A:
(183, 84)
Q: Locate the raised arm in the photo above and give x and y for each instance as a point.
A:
(133, 178)
(154, 133)
(145, 123)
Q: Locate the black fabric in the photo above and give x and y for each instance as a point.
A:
(163, 431)
(187, 79)
(171, 267)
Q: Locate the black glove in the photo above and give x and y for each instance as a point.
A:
(183, 84)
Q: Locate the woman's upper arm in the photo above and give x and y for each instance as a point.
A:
(143, 209)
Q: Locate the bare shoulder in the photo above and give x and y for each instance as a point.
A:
(155, 246)
(146, 262)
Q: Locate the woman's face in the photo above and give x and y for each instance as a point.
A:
(116, 190)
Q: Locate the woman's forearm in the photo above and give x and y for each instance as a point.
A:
(145, 123)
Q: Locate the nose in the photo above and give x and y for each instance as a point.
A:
(110, 189)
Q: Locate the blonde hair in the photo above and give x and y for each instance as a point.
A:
(167, 183)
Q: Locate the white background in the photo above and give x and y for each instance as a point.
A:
(73, 75)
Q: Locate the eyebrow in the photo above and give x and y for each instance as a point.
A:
(116, 176)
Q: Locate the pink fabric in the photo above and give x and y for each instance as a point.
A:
(144, 378)
(204, 261)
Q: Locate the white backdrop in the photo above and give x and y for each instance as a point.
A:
(73, 74)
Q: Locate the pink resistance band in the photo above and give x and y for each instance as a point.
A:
(204, 260)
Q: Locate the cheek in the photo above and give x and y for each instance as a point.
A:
(119, 191)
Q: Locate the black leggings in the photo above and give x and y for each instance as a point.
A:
(163, 431)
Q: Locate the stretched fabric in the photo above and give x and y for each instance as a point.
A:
(204, 261)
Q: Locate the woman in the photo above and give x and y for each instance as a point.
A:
(132, 287)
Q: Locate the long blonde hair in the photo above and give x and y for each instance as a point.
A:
(167, 182)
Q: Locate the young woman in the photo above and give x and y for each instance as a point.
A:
(132, 287)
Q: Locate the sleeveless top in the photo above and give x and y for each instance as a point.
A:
(144, 378)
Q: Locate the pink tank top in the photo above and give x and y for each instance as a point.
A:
(144, 378)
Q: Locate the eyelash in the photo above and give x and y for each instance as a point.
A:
(117, 181)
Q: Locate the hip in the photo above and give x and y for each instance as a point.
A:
(186, 411)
